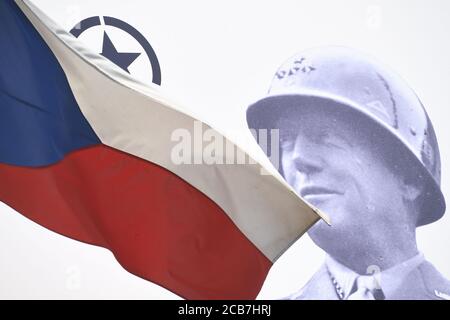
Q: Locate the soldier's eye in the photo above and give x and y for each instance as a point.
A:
(320, 137)
(286, 142)
(337, 141)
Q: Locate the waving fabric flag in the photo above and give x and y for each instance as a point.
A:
(85, 151)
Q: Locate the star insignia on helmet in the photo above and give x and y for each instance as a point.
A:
(299, 65)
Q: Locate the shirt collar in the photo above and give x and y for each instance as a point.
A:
(389, 280)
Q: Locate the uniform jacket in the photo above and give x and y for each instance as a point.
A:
(424, 282)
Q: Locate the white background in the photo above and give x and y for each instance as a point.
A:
(218, 57)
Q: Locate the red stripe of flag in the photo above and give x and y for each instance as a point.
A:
(157, 225)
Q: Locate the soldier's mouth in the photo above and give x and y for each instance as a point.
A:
(316, 191)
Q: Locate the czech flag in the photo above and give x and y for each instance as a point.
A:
(85, 151)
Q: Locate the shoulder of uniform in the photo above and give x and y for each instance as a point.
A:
(436, 284)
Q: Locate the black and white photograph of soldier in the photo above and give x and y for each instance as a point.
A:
(357, 143)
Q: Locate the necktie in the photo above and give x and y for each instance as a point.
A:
(366, 288)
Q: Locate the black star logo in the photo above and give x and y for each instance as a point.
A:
(121, 59)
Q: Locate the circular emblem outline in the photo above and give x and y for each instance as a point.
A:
(90, 22)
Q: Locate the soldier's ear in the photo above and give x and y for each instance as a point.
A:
(411, 191)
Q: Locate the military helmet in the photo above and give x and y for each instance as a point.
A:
(344, 78)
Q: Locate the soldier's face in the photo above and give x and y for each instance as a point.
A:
(333, 167)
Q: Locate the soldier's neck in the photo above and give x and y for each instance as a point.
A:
(382, 257)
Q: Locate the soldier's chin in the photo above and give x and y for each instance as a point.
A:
(323, 234)
(319, 227)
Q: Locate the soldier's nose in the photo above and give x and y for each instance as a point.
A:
(306, 166)
(306, 161)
